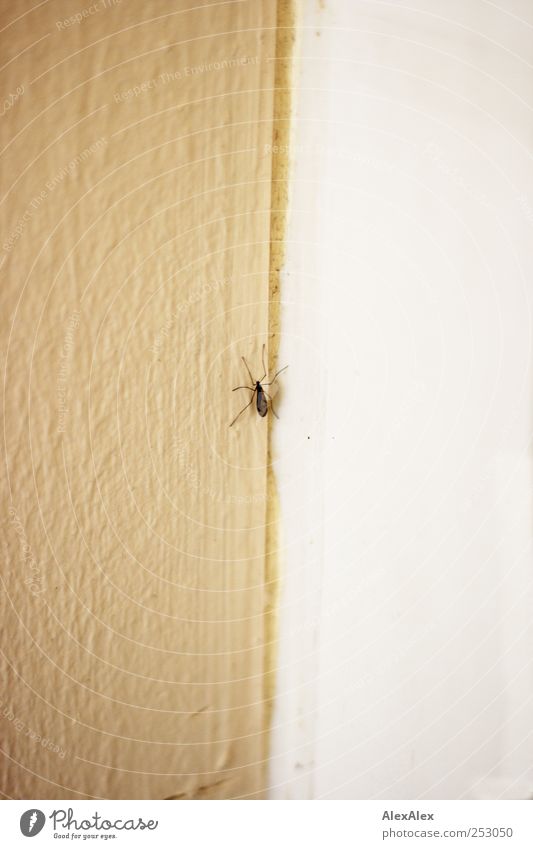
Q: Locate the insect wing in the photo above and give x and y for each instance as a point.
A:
(262, 403)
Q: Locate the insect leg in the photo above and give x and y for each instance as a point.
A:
(251, 388)
(275, 376)
(243, 409)
(248, 370)
(263, 361)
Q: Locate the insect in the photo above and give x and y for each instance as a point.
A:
(258, 389)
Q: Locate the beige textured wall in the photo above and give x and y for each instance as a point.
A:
(135, 219)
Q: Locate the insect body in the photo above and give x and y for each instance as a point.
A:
(261, 401)
(258, 391)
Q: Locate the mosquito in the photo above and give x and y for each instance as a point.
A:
(262, 397)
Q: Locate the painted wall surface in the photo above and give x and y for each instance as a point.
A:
(404, 452)
(135, 216)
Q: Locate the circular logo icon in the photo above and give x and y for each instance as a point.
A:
(32, 822)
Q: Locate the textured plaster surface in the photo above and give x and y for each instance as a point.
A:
(135, 220)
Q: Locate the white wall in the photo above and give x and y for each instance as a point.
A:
(403, 455)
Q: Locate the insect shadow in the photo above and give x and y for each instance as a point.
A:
(257, 389)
